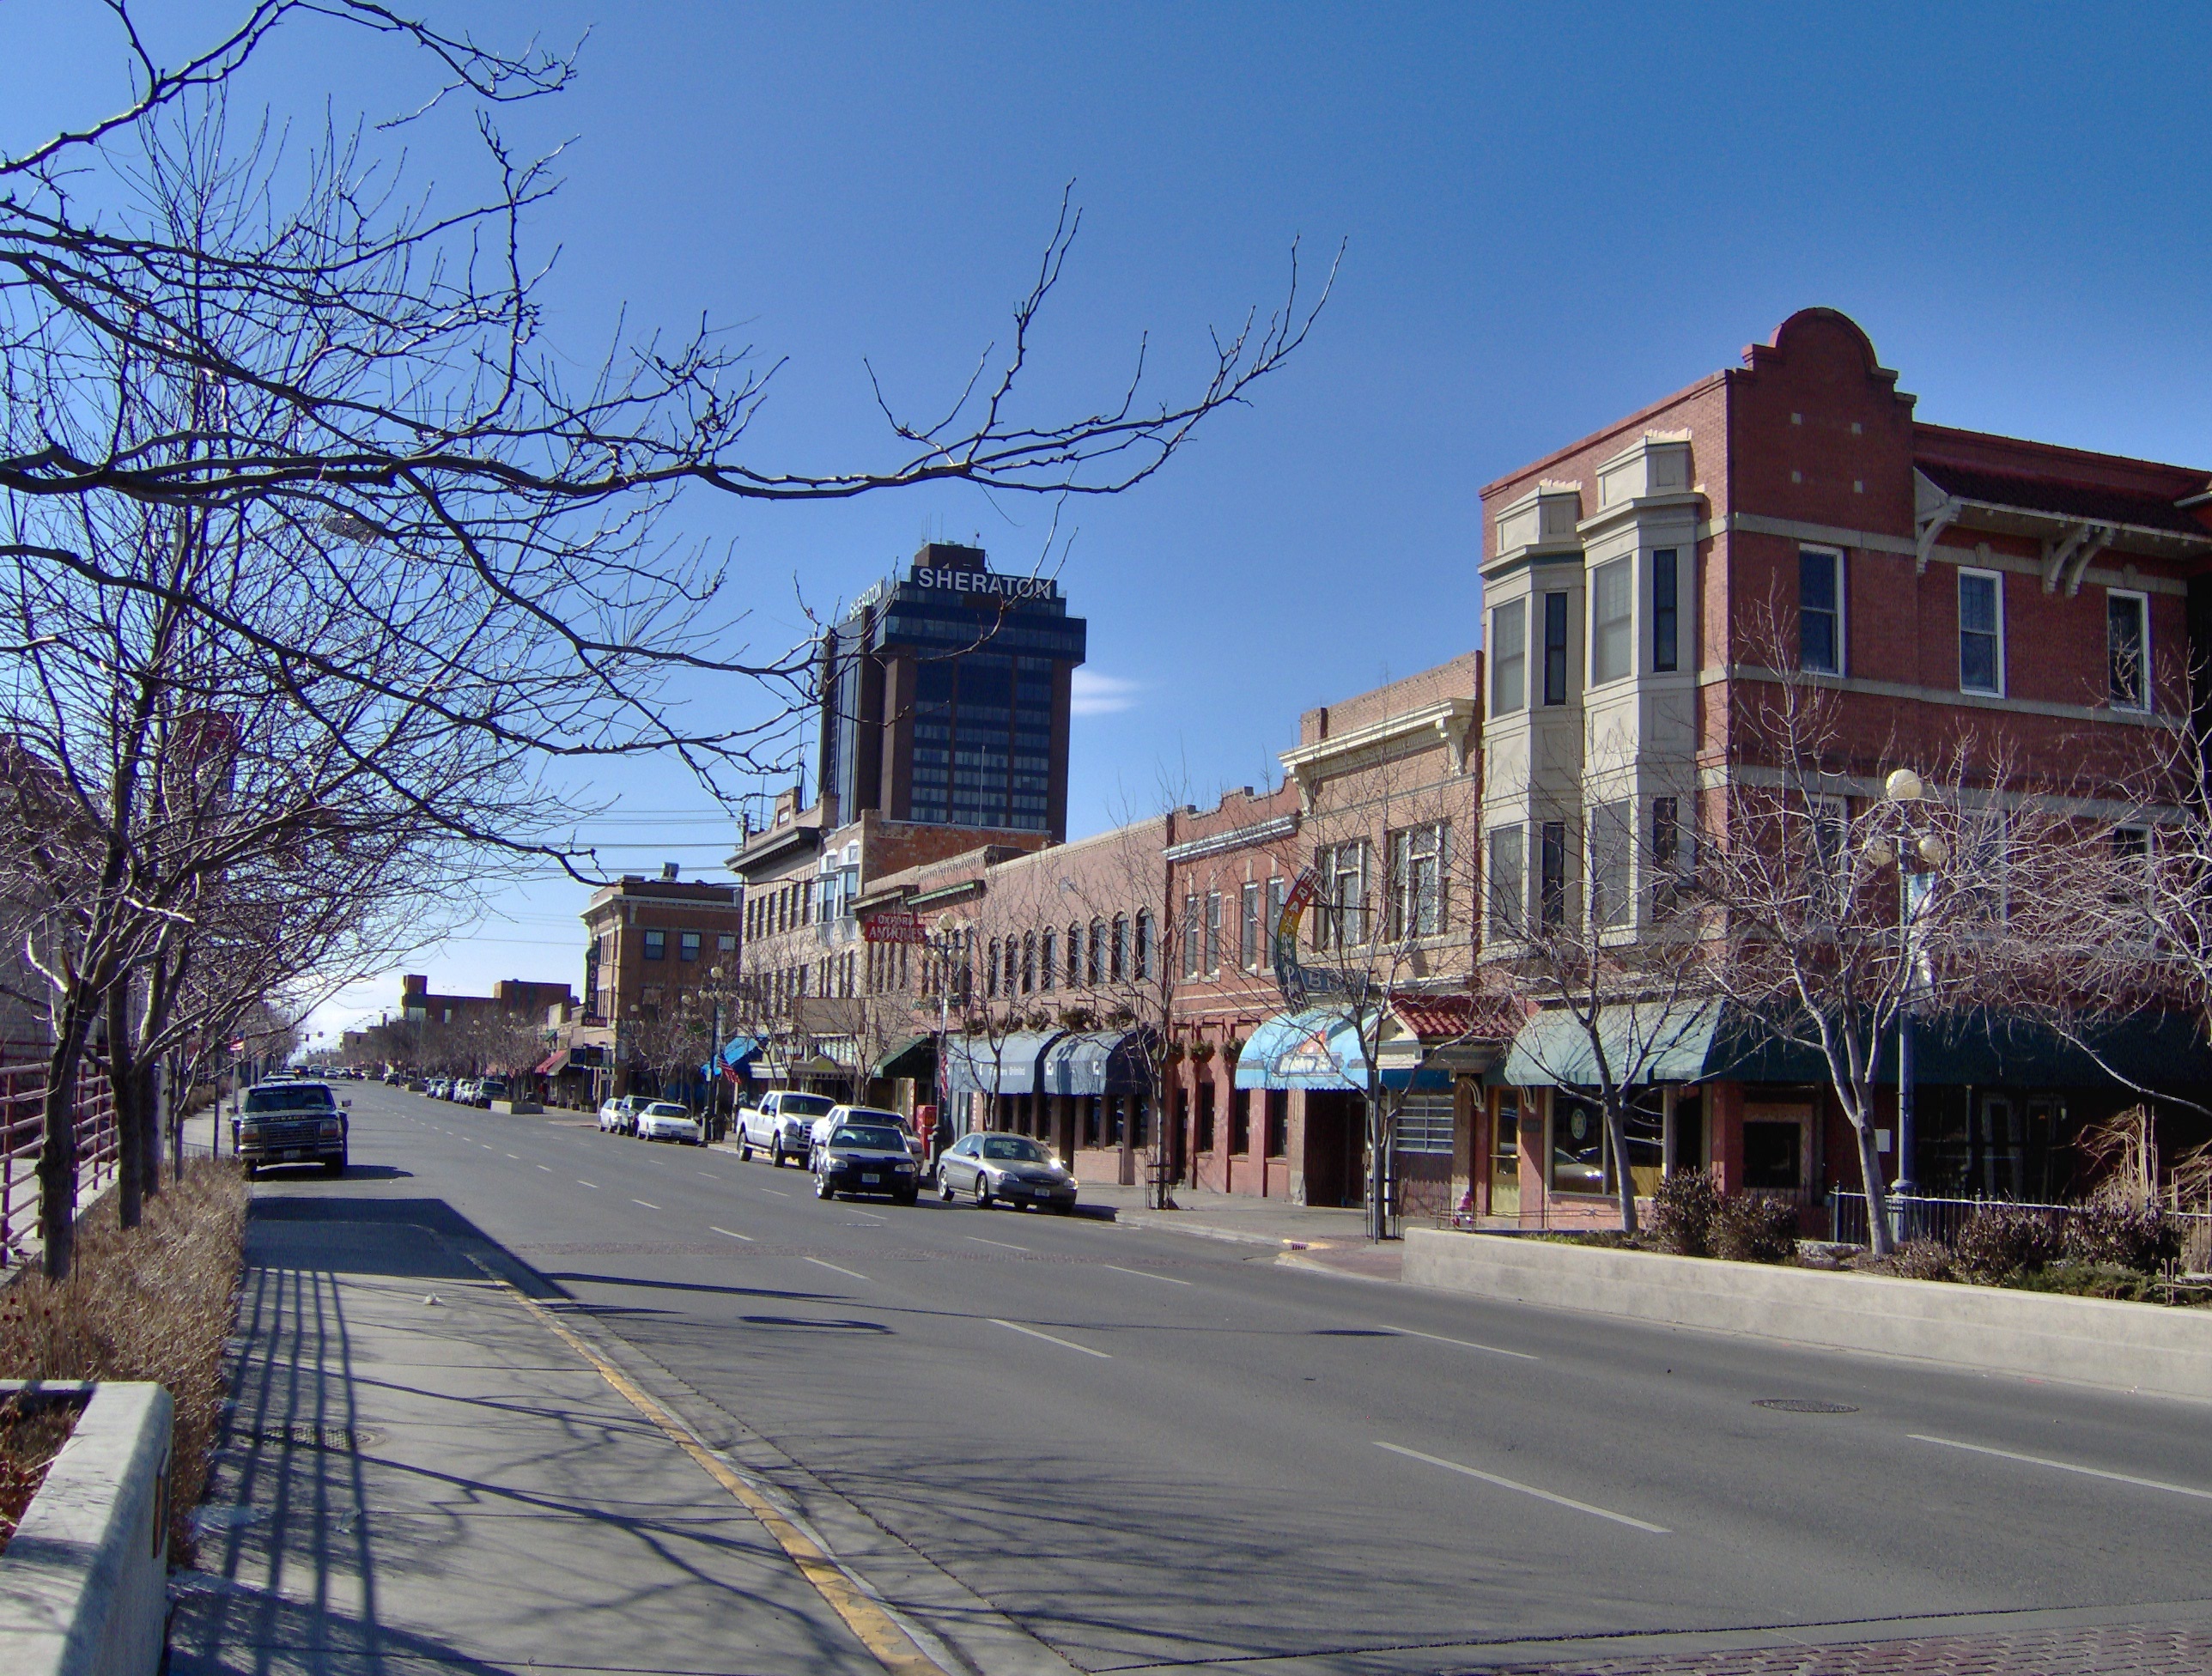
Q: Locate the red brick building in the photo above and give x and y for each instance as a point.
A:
(1642, 584)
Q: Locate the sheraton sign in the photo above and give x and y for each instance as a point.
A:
(984, 581)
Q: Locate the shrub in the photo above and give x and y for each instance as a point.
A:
(1682, 1212)
(2000, 1239)
(1920, 1260)
(2142, 1237)
(2104, 1280)
(152, 1303)
(1751, 1230)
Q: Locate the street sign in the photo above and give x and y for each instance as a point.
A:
(893, 925)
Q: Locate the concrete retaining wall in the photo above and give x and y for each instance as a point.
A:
(2091, 1341)
(83, 1584)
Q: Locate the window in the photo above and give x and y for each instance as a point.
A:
(991, 970)
(1120, 964)
(1507, 881)
(1666, 605)
(1424, 1124)
(725, 941)
(2127, 642)
(1275, 889)
(1342, 921)
(687, 945)
(1240, 1120)
(1555, 648)
(1830, 861)
(1142, 968)
(1093, 970)
(1205, 1116)
(1820, 611)
(1981, 631)
(1613, 621)
(1551, 878)
(1029, 963)
(1278, 1122)
(1190, 948)
(1509, 657)
(1247, 928)
(656, 946)
(1212, 931)
(1047, 961)
(1611, 854)
(1667, 859)
(1577, 1144)
(1417, 879)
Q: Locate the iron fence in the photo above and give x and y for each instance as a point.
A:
(22, 1132)
(1942, 1220)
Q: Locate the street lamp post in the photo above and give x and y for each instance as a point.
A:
(1920, 854)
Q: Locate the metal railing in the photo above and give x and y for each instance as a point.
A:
(22, 1133)
(1943, 1219)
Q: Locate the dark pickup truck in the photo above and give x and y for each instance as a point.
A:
(291, 1123)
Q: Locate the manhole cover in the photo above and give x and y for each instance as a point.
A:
(1805, 1406)
(300, 1436)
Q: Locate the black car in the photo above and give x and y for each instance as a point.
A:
(290, 1122)
(860, 1158)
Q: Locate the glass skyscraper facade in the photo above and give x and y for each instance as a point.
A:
(946, 698)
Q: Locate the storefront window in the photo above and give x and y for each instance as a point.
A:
(1577, 1144)
(1644, 1126)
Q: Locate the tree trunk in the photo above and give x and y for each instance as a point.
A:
(1616, 1130)
(57, 1146)
(1378, 1167)
(1870, 1179)
(123, 1092)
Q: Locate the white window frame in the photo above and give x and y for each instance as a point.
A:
(1995, 580)
(1603, 673)
(1843, 609)
(2142, 602)
(1508, 696)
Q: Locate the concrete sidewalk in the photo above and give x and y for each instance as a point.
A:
(419, 1474)
(1331, 1239)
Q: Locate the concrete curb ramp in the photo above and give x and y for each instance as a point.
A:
(82, 1585)
(2087, 1341)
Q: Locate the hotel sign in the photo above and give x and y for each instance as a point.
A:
(985, 582)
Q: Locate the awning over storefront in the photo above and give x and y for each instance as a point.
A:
(806, 1064)
(555, 1063)
(975, 1065)
(738, 1051)
(1111, 1063)
(1319, 1048)
(916, 1057)
(1691, 1043)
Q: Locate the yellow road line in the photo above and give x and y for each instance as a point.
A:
(877, 1631)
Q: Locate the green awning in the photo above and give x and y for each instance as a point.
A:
(1649, 1041)
(916, 1057)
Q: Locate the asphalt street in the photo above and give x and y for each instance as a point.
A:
(1131, 1450)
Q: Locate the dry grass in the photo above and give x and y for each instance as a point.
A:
(155, 1304)
(28, 1442)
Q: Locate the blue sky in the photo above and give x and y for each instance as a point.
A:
(1552, 215)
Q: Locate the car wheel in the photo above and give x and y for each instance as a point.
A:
(253, 1172)
(982, 1191)
(911, 1196)
(1066, 1210)
(823, 1190)
(943, 1185)
(776, 1157)
(744, 1148)
(335, 1166)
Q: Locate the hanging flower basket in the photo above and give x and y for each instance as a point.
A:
(1200, 1051)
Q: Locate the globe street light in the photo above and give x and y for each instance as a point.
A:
(1918, 856)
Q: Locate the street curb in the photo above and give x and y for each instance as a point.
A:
(1207, 1231)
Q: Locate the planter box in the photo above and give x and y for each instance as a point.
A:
(83, 1583)
(517, 1107)
(2089, 1341)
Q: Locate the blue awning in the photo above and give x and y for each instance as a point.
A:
(1319, 1048)
(1099, 1062)
(737, 1052)
(972, 1064)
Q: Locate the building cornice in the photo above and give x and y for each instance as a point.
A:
(1238, 838)
(1451, 720)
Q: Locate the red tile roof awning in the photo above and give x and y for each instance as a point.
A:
(554, 1062)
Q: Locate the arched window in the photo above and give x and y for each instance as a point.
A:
(1121, 961)
(1047, 959)
(1029, 962)
(1075, 955)
(1097, 967)
(990, 972)
(1013, 967)
(1143, 967)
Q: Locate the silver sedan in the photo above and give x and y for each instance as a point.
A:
(1004, 1169)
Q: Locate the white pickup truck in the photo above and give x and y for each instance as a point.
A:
(780, 1125)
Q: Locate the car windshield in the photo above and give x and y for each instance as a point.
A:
(804, 1105)
(1015, 1148)
(867, 1134)
(664, 1109)
(288, 1097)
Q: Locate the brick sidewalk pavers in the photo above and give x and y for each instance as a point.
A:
(2159, 1649)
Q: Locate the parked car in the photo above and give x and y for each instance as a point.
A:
(664, 1120)
(487, 1089)
(818, 1136)
(291, 1122)
(864, 1152)
(619, 1115)
(781, 1125)
(1010, 1170)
